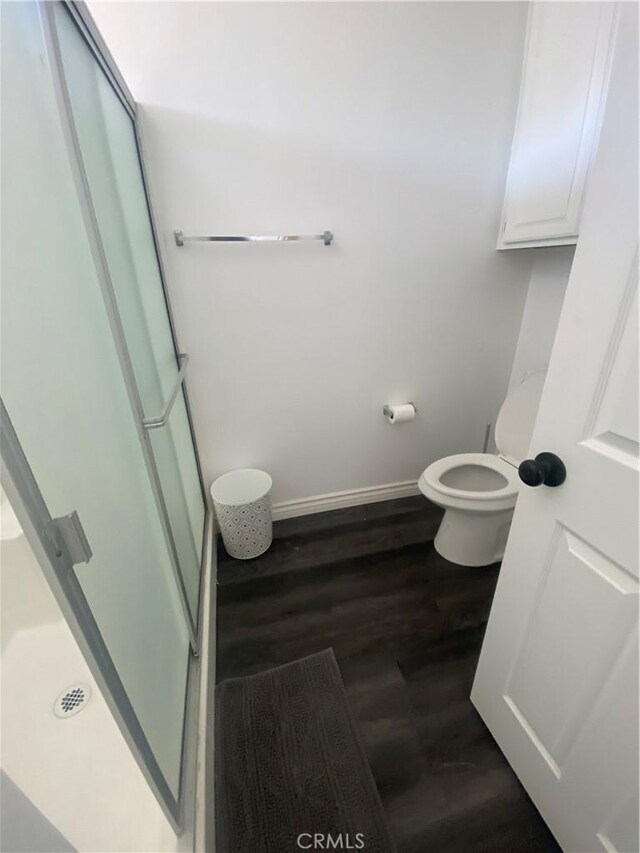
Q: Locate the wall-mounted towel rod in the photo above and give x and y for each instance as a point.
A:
(326, 237)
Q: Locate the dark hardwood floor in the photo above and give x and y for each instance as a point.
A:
(406, 626)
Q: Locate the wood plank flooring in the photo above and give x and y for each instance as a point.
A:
(406, 626)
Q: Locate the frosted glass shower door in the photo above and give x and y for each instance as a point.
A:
(63, 387)
(109, 153)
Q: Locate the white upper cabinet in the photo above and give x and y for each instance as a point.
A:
(564, 84)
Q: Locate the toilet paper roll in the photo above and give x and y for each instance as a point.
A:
(401, 414)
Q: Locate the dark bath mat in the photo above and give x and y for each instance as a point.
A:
(290, 765)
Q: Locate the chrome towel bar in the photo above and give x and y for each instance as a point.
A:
(326, 237)
(161, 419)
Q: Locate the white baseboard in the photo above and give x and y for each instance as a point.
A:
(340, 500)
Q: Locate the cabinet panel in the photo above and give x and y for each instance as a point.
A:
(564, 82)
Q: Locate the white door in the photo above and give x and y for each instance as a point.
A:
(557, 681)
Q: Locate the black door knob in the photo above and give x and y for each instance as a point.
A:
(546, 468)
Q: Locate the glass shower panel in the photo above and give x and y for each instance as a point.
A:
(173, 450)
(109, 152)
(63, 387)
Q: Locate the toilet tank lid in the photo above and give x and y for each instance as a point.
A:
(517, 417)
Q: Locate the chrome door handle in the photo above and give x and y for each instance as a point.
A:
(163, 417)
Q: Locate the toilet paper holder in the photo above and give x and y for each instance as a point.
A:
(387, 408)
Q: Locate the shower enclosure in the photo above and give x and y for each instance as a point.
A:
(97, 441)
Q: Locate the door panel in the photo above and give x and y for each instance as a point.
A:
(557, 680)
(613, 424)
(106, 136)
(585, 611)
(63, 388)
(562, 87)
(173, 451)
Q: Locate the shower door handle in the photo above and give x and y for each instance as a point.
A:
(163, 417)
(68, 536)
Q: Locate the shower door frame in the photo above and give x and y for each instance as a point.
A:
(92, 38)
(28, 501)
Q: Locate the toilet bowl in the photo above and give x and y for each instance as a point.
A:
(479, 490)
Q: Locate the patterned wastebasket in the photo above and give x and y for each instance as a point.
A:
(242, 502)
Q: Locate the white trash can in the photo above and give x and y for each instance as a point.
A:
(242, 502)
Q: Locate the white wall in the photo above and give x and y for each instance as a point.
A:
(549, 278)
(391, 125)
(78, 772)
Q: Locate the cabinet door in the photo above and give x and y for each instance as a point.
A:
(564, 82)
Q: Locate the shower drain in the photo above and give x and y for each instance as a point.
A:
(72, 700)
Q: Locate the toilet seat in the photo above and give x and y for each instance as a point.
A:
(478, 491)
(433, 482)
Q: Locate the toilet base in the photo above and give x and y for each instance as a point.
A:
(473, 538)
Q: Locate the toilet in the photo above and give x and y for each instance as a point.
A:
(479, 490)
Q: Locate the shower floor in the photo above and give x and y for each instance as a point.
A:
(406, 627)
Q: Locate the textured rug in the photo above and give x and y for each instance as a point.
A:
(291, 772)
